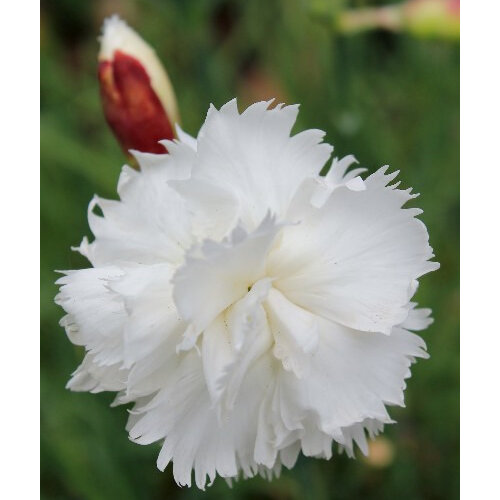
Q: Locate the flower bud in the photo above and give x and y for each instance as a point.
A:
(423, 18)
(137, 97)
(433, 18)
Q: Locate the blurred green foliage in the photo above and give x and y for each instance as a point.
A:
(386, 98)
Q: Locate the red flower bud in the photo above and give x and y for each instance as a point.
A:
(137, 96)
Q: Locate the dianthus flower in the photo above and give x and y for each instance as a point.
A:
(249, 307)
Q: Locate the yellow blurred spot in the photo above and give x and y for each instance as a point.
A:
(380, 452)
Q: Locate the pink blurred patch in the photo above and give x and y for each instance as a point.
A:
(454, 7)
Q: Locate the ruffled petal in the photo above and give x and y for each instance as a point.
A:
(151, 315)
(214, 210)
(195, 439)
(93, 377)
(355, 259)
(353, 376)
(253, 156)
(295, 332)
(151, 223)
(185, 138)
(215, 275)
(96, 316)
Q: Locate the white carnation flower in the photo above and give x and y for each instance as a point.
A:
(250, 308)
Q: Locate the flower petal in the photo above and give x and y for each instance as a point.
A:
(253, 156)
(356, 258)
(96, 315)
(92, 377)
(295, 332)
(215, 275)
(194, 436)
(150, 224)
(353, 376)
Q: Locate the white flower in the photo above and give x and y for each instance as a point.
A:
(249, 307)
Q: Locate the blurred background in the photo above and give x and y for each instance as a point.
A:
(387, 93)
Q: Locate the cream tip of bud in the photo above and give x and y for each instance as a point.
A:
(118, 35)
